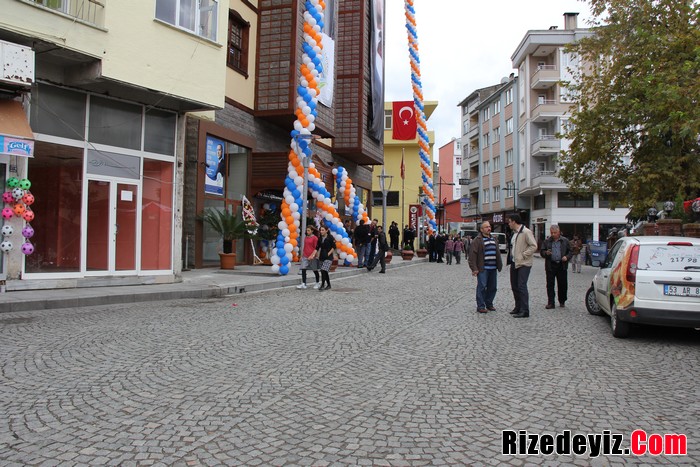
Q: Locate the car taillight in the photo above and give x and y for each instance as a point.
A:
(632, 265)
(680, 244)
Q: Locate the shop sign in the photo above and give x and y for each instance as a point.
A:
(414, 212)
(498, 218)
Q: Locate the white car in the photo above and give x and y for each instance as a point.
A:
(648, 280)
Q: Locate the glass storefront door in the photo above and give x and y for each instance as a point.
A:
(112, 220)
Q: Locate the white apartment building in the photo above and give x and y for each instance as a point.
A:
(543, 107)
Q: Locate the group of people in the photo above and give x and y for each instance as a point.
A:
(447, 247)
(485, 262)
(317, 254)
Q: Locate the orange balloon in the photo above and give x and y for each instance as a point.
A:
(290, 221)
(286, 212)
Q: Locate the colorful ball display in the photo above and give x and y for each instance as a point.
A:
(17, 193)
(7, 230)
(7, 197)
(28, 231)
(6, 246)
(25, 184)
(28, 215)
(28, 199)
(7, 213)
(19, 209)
(27, 248)
(13, 182)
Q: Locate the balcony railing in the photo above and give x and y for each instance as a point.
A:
(546, 177)
(545, 144)
(545, 76)
(473, 131)
(86, 11)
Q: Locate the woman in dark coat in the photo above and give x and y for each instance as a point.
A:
(326, 247)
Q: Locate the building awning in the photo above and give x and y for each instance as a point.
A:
(16, 137)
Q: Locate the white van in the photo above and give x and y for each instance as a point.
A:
(502, 241)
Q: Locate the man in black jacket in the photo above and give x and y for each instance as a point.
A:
(361, 236)
(556, 252)
(394, 235)
(383, 248)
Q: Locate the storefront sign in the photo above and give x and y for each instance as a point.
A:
(113, 165)
(215, 157)
(498, 218)
(414, 212)
(16, 146)
(269, 196)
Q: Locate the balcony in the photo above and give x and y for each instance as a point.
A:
(473, 132)
(547, 109)
(90, 12)
(544, 77)
(545, 145)
(546, 177)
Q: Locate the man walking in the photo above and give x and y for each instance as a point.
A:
(485, 262)
(522, 251)
(372, 241)
(556, 253)
(383, 248)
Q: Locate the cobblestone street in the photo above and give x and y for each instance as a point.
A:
(390, 369)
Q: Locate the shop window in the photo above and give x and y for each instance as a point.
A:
(237, 177)
(157, 215)
(115, 123)
(58, 112)
(56, 173)
(538, 202)
(569, 200)
(159, 132)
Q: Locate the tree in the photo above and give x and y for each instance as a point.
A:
(636, 119)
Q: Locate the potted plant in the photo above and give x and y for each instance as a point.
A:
(230, 227)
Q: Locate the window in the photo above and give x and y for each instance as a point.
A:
(496, 134)
(465, 127)
(159, 132)
(486, 168)
(486, 196)
(569, 200)
(465, 110)
(497, 193)
(510, 189)
(497, 107)
(538, 202)
(485, 139)
(458, 161)
(238, 29)
(509, 126)
(392, 198)
(388, 122)
(114, 122)
(58, 5)
(509, 96)
(497, 163)
(197, 16)
(509, 157)
(605, 200)
(487, 113)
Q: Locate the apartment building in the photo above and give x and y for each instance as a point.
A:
(450, 161)
(104, 88)
(489, 145)
(543, 106)
(264, 49)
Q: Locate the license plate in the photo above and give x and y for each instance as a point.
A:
(681, 291)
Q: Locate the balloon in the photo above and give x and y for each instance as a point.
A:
(275, 268)
(284, 260)
(7, 230)
(7, 197)
(25, 184)
(284, 270)
(288, 247)
(27, 248)
(285, 232)
(13, 182)
(6, 246)
(17, 193)
(19, 209)
(7, 213)
(28, 215)
(28, 199)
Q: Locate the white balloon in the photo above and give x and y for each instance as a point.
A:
(298, 181)
(346, 241)
(286, 233)
(335, 171)
(343, 255)
(304, 83)
(350, 258)
(294, 207)
(312, 126)
(296, 215)
(275, 268)
(328, 216)
(297, 125)
(281, 225)
(289, 199)
(287, 239)
(275, 259)
(327, 200)
(288, 247)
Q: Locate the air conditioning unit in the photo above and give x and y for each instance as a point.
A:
(16, 64)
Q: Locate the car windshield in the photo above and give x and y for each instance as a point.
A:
(669, 257)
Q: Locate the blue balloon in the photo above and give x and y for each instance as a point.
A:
(279, 244)
(296, 193)
(284, 270)
(284, 260)
(281, 253)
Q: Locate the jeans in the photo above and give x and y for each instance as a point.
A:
(486, 288)
(518, 283)
(457, 255)
(362, 255)
(448, 257)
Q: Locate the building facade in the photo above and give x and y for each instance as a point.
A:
(106, 106)
(543, 106)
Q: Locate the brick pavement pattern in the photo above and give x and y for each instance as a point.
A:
(393, 369)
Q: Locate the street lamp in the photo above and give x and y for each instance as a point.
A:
(442, 217)
(385, 190)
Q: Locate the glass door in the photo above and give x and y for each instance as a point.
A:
(111, 226)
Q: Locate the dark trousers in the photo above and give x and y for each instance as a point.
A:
(370, 255)
(557, 272)
(518, 283)
(395, 242)
(380, 258)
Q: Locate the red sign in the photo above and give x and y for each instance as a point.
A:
(414, 212)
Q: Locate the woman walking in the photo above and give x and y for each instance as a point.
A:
(325, 254)
(308, 257)
(577, 253)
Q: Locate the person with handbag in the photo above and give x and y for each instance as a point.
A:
(325, 249)
(308, 257)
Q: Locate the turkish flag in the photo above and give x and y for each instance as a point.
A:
(404, 119)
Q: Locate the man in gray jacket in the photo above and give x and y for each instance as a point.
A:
(522, 250)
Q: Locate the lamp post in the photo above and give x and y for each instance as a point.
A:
(305, 164)
(442, 212)
(385, 190)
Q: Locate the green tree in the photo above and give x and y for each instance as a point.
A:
(636, 119)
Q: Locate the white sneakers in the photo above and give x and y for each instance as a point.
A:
(318, 284)
(301, 286)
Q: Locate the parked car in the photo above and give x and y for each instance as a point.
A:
(648, 280)
(501, 239)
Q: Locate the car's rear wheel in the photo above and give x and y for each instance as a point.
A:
(619, 328)
(592, 303)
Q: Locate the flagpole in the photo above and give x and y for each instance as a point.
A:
(403, 194)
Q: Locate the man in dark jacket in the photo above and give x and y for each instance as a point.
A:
(556, 252)
(394, 235)
(361, 236)
(383, 248)
(485, 262)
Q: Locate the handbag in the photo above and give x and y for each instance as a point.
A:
(314, 264)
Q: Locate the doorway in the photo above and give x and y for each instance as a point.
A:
(112, 227)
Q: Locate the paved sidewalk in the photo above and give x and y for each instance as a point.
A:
(199, 283)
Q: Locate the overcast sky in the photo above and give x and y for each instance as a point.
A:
(464, 45)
